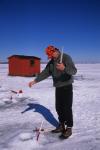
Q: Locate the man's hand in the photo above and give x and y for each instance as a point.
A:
(32, 83)
(60, 67)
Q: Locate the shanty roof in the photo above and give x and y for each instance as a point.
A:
(23, 56)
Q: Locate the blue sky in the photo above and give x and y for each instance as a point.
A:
(27, 27)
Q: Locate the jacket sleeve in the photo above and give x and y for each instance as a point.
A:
(44, 74)
(69, 66)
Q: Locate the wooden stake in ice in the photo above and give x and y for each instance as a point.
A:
(61, 56)
(38, 134)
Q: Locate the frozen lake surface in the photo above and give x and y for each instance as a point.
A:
(21, 113)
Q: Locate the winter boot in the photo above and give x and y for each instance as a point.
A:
(59, 129)
(65, 134)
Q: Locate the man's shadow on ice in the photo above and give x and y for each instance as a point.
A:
(43, 111)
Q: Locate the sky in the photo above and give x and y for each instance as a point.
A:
(27, 27)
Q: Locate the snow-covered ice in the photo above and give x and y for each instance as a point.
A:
(20, 113)
(25, 136)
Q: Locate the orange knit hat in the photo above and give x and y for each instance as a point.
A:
(49, 51)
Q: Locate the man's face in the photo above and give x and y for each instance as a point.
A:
(55, 54)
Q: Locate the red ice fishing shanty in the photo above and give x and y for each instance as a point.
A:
(20, 65)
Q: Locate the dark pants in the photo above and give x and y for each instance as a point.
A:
(64, 99)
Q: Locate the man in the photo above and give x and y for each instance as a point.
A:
(61, 68)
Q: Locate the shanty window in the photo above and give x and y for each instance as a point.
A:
(32, 62)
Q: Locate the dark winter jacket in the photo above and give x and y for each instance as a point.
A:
(60, 78)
